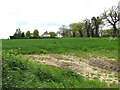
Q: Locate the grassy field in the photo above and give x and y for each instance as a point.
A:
(20, 72)
(79, 46)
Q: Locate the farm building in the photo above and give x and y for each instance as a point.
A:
(46, 35)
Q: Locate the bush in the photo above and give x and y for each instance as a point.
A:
(118, 35)
(111, 38)
(107, 35)
(43, 51)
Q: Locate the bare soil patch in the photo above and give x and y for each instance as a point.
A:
(101, 68)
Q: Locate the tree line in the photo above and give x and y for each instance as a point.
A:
(21, 35)
(28, 35)
(91, 27)
(88, 28)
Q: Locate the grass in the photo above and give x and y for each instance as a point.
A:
(20, 72)
(78, 46)
(0, 63)
(94, 69)
(110, 76)
(60, 57)
(116, 75)
(95, 78)
(109, 72)
(99, 75)
(44, 58)
(92, 74)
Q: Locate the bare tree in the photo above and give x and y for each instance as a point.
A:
(111, 16)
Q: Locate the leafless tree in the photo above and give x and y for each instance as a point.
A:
(111, 16)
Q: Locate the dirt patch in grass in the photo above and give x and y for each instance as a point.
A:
(105, 63)
(101, 68)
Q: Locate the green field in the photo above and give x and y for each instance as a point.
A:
(19, 72)
(99, 46)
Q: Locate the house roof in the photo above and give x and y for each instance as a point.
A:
(46, 34)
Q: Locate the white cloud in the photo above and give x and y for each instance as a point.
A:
(47, 15)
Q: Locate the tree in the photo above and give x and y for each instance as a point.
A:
(106, 31)
(87, 27)
(53, 34)
(62, 30)
(28, 34)
(77, 28)
(80, 25)
(92, 29)
(18, 34)
(95, 23)
(36, 33)
(111, 16)
(22, 35)
(68, 34)
(74, 29)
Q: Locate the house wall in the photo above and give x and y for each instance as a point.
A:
(46, 35)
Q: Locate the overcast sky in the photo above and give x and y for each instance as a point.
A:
(47, 15)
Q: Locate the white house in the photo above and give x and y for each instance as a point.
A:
(46, 35)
